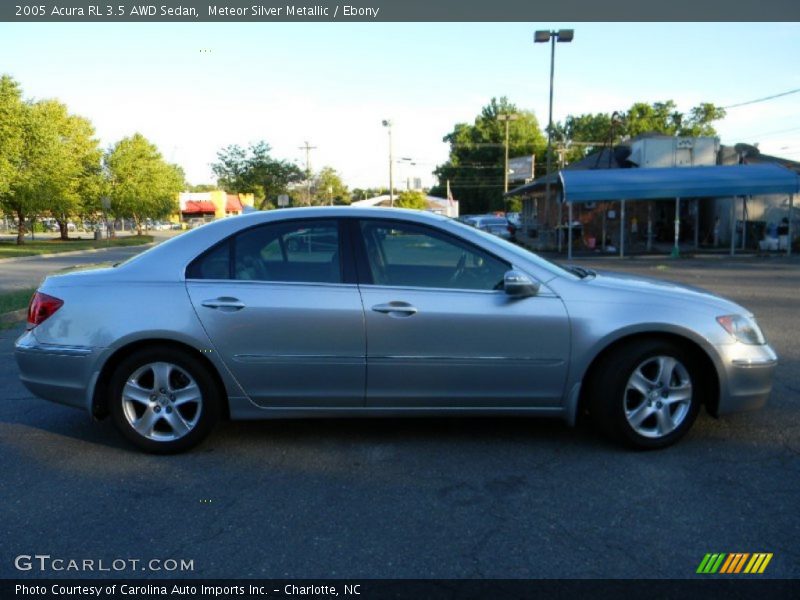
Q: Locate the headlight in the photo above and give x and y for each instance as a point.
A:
(743, 329)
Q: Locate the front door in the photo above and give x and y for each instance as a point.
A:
(441, 332)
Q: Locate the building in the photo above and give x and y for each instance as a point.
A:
(212, 205)
(649, 224)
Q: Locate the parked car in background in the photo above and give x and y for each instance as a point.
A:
(381, 312)
(493, 224)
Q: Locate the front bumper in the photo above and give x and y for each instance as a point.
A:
(55, 372)
(749, 371)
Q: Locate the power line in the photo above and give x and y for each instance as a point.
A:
(769, 133)
(764, 99)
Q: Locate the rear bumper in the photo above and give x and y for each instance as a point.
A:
(749, 372)
(55, 372)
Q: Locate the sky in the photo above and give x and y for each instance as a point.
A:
(195, 88)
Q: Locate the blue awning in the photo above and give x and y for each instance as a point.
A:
(677, 182)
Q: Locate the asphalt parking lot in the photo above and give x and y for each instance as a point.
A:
(424, 498)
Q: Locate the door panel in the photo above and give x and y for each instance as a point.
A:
(464, 348)
(290, 345)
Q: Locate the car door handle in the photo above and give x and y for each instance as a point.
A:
(398, 309)
(225, 304)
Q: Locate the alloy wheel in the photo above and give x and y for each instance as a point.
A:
(658, 396)
(161, 401)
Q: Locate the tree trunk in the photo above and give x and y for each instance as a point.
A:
(20, 227)
(62, 228)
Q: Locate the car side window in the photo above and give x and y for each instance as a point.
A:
(298, 251)
(295, 251)
(214, 264)
(403, 254)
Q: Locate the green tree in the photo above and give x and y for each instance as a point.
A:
(12, 111)
(75, 165)
(700, 119)
(253, 170)
(40, 173)
(477, 153)
(585, 133)
(140, 183)
(328, 188)
(411, 199)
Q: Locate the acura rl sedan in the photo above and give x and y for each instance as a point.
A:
(379, 312)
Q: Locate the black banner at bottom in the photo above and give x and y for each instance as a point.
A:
(399, 589)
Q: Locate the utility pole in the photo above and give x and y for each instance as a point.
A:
(308, 148)
(388, 124)
(507, 118)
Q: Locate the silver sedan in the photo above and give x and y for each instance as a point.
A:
(365, 312)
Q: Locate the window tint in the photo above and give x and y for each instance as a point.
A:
(303, 251)
(299, 251)
(211, 265)
(402, 254)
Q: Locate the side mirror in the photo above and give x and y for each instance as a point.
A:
(518, 285)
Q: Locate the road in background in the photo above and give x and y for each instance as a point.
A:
(28, 271)
(419, 498)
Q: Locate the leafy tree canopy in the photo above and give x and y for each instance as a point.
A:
(411, 199)
(477, 155)
(11, 137)
(253, 170)
(328, 185)
(587, 132)
(140, 183)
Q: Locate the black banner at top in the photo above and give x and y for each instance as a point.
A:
(394, 10)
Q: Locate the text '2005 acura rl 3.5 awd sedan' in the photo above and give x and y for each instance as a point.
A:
(343, 311)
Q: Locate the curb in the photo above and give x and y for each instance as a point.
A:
(70, 253)
(15, 316)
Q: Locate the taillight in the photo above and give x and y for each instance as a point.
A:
(42, 308)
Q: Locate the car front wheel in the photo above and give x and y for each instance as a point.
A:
(164, 401)
(646, 394)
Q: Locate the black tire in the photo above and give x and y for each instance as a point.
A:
(616, 404)
(198, 417)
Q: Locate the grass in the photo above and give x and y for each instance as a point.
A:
(11, 301)
(9, 249)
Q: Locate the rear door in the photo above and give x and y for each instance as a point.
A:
(280, 304)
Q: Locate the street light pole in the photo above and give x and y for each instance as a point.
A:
(562, 35)
(388, 124)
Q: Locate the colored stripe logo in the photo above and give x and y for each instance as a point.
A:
(734, 562)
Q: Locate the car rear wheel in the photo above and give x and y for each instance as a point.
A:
(646, 394)
(164, 401)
